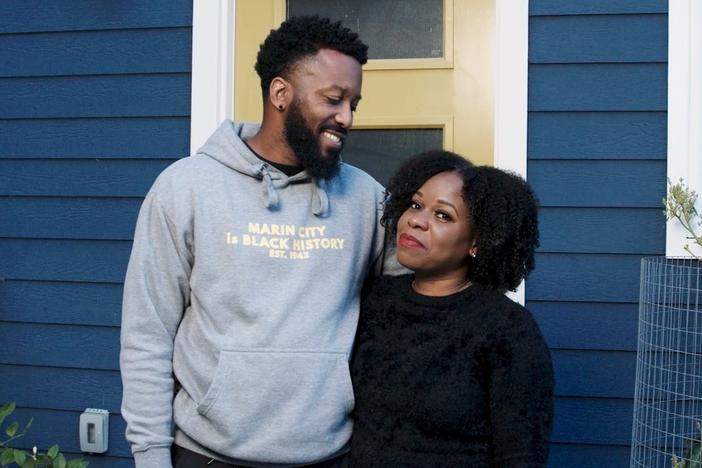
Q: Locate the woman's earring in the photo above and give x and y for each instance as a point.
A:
(280, 107)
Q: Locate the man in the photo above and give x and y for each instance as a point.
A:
(242, 293)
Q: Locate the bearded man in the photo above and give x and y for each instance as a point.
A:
(242, 294)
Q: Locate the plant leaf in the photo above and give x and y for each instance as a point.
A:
(53, 451)
(12, 429)
(6, 410)
(7, 456)
(20, 456)
(60, 461)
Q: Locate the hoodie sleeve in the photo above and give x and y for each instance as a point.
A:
(156, 292)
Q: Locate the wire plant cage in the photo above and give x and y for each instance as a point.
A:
(667, 429)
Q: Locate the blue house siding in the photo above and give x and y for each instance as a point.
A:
(596, 157)
(95, 103)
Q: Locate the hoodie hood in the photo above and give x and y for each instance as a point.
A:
(226, 145)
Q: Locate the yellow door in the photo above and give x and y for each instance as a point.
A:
(409, 104)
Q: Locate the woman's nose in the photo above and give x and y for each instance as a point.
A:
(417, 220)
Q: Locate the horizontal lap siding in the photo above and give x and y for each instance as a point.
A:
(96, 102)
(596, 159)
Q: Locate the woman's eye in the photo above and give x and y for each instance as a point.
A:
(414, 205)
(443, 216)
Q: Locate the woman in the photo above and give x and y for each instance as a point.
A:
(448, 371)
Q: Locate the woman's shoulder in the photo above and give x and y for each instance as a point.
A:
(504, 312)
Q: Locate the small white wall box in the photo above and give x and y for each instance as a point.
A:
(94, 430)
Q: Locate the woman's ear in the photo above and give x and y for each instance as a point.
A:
(473, 250)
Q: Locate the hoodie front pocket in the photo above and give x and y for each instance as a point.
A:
(286, 402)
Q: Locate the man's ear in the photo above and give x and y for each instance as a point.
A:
(280, 93)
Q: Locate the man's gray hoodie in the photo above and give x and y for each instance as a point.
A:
(240, 306)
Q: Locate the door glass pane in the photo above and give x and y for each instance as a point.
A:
(392, 29)
(380, 152)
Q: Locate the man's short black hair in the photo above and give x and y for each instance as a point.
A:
(300, 37)
(502, 211)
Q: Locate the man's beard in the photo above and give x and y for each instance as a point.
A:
(305, 145)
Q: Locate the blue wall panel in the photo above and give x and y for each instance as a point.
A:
(585, 277)
(604, 374)
(68, 218)
(89, 388)
(602, 230)
(605, 421)
(597, 135)
(77, 15)
(79, 346)
(594, 7)
(144, 137)
(588, 456)
(596, 149)
(598, 87)
(587, 325)
(96, 52)
(59, 302)
(152, 95)
(64, 260)
(95, 103)
(79, 177)
(601, 183)
(599, 39)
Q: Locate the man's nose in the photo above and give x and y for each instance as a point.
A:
(345, 116)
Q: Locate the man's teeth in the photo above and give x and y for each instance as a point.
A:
(332, 137)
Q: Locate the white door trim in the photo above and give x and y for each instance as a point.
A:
(684, 106)
(511, 65)
(511, 92)
(212, 93)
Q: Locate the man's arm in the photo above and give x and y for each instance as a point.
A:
(156, 292)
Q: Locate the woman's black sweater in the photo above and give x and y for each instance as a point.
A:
(458, 381)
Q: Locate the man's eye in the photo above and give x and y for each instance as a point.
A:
(334, 99)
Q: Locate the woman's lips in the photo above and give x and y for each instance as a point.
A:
(405, 240)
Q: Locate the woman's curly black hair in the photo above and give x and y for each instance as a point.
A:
(503, 214)
(300, 37)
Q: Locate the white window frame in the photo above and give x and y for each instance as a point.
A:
(684, 106)
(213, 79)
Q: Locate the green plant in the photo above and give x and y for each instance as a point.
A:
(13, 456)
(680, 204)
(693, 454)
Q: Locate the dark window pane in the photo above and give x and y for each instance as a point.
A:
(392, 29)
(380, 152)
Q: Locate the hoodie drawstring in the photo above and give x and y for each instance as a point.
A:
(270, 194)
(320, 200)
(272, 181)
